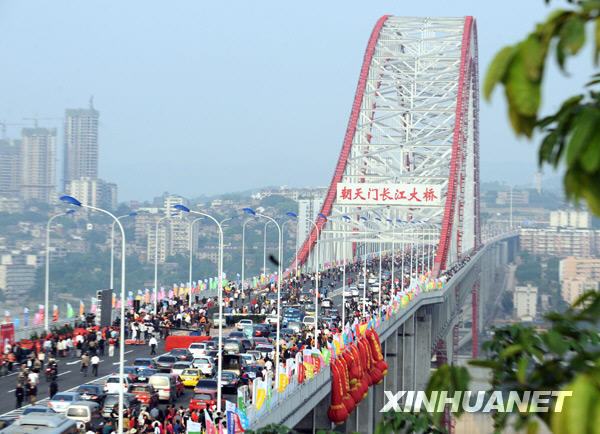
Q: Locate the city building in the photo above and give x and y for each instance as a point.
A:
(570, 219)
(525, 302)
(38, 164)
(17, 275)
(81, 144)
(10, 169)
(519, 197)
(578, 275)
(560, 242)
(572, 289)
(308, 209)
(94, 192)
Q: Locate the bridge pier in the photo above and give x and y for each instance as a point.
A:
(422, 365)
(316, 419)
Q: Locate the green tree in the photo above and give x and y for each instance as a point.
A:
(570, 135)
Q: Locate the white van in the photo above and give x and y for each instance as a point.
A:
(40, 423)
(164, 384)
(86, 414)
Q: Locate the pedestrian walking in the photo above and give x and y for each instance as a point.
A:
(85, 363)
(53, 388)
(95, 360)
(19, 395)
(153, 343)
(32, 392)
(111, 347)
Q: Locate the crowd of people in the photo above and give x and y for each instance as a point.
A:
(89, 343)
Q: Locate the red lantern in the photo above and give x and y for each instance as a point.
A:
(373, 339)
(346, 398)
(337, 412)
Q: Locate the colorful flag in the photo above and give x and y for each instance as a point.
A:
(193, 427)
(70, 312)
(210, 425)
(81, 308)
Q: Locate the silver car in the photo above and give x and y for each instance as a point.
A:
(62, 400)
(205, 364)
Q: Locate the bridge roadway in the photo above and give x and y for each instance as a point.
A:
(408, 341)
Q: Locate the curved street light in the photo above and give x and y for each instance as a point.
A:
(47, 271)
(71, 200)
(279, 278)
(166, 217)
(112, 248)
(184, 208)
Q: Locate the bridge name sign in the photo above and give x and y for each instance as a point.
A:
(413, 195)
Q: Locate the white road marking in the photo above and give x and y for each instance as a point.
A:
(64, 373)
(72, 363)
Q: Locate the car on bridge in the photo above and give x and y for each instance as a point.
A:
(92, 392)
(145, 393)
(37, 409)
(205, 364)
(60, 401)
(179, 367)
(190, 377)
(144, 362)
(165, 363)
(143, 374)
(112, 400)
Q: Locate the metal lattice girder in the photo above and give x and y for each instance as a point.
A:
(413, 121)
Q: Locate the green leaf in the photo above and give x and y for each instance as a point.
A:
(522, 369)
(511, 350)
(556, 342)
(572, 34)
(585, 124)
(597, 40)
(590, 160)
(522, 92)
(497, 69)
(534, 52)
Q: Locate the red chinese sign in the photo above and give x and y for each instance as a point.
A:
(414, 195)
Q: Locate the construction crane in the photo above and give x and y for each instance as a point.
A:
(4, 124)
(36, 120)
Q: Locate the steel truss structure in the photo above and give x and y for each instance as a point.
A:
(414, 120)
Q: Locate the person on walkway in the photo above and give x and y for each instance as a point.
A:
(85, 363)
(95, 361)
(32, 392)
(52, 388)
(19, 395)
(111, 346)
(153, 343)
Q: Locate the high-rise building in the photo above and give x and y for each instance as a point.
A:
(308, 209)
(525, 302)
(560, 242)
(570, 219)
(10, 173)
(578, 275)
(17, 274)
(81, 144)
(38, 164)
(94, 192)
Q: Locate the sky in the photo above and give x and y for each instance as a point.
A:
(200, 97)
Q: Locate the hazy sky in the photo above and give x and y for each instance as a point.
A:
(203, 97)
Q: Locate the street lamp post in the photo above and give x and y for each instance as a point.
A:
(364, 270)
(345, 218)
(244, 251)
(316, 262)
(265, 248)
(112, 248)
(279, 278)
(191, 246)
(156, 261)
(71, 200)
(47, 271)
(184, 208)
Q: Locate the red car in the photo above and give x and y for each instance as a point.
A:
(203, 399)
(145, 393)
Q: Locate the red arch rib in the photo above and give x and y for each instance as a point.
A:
(461, 111)
(311, 240)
